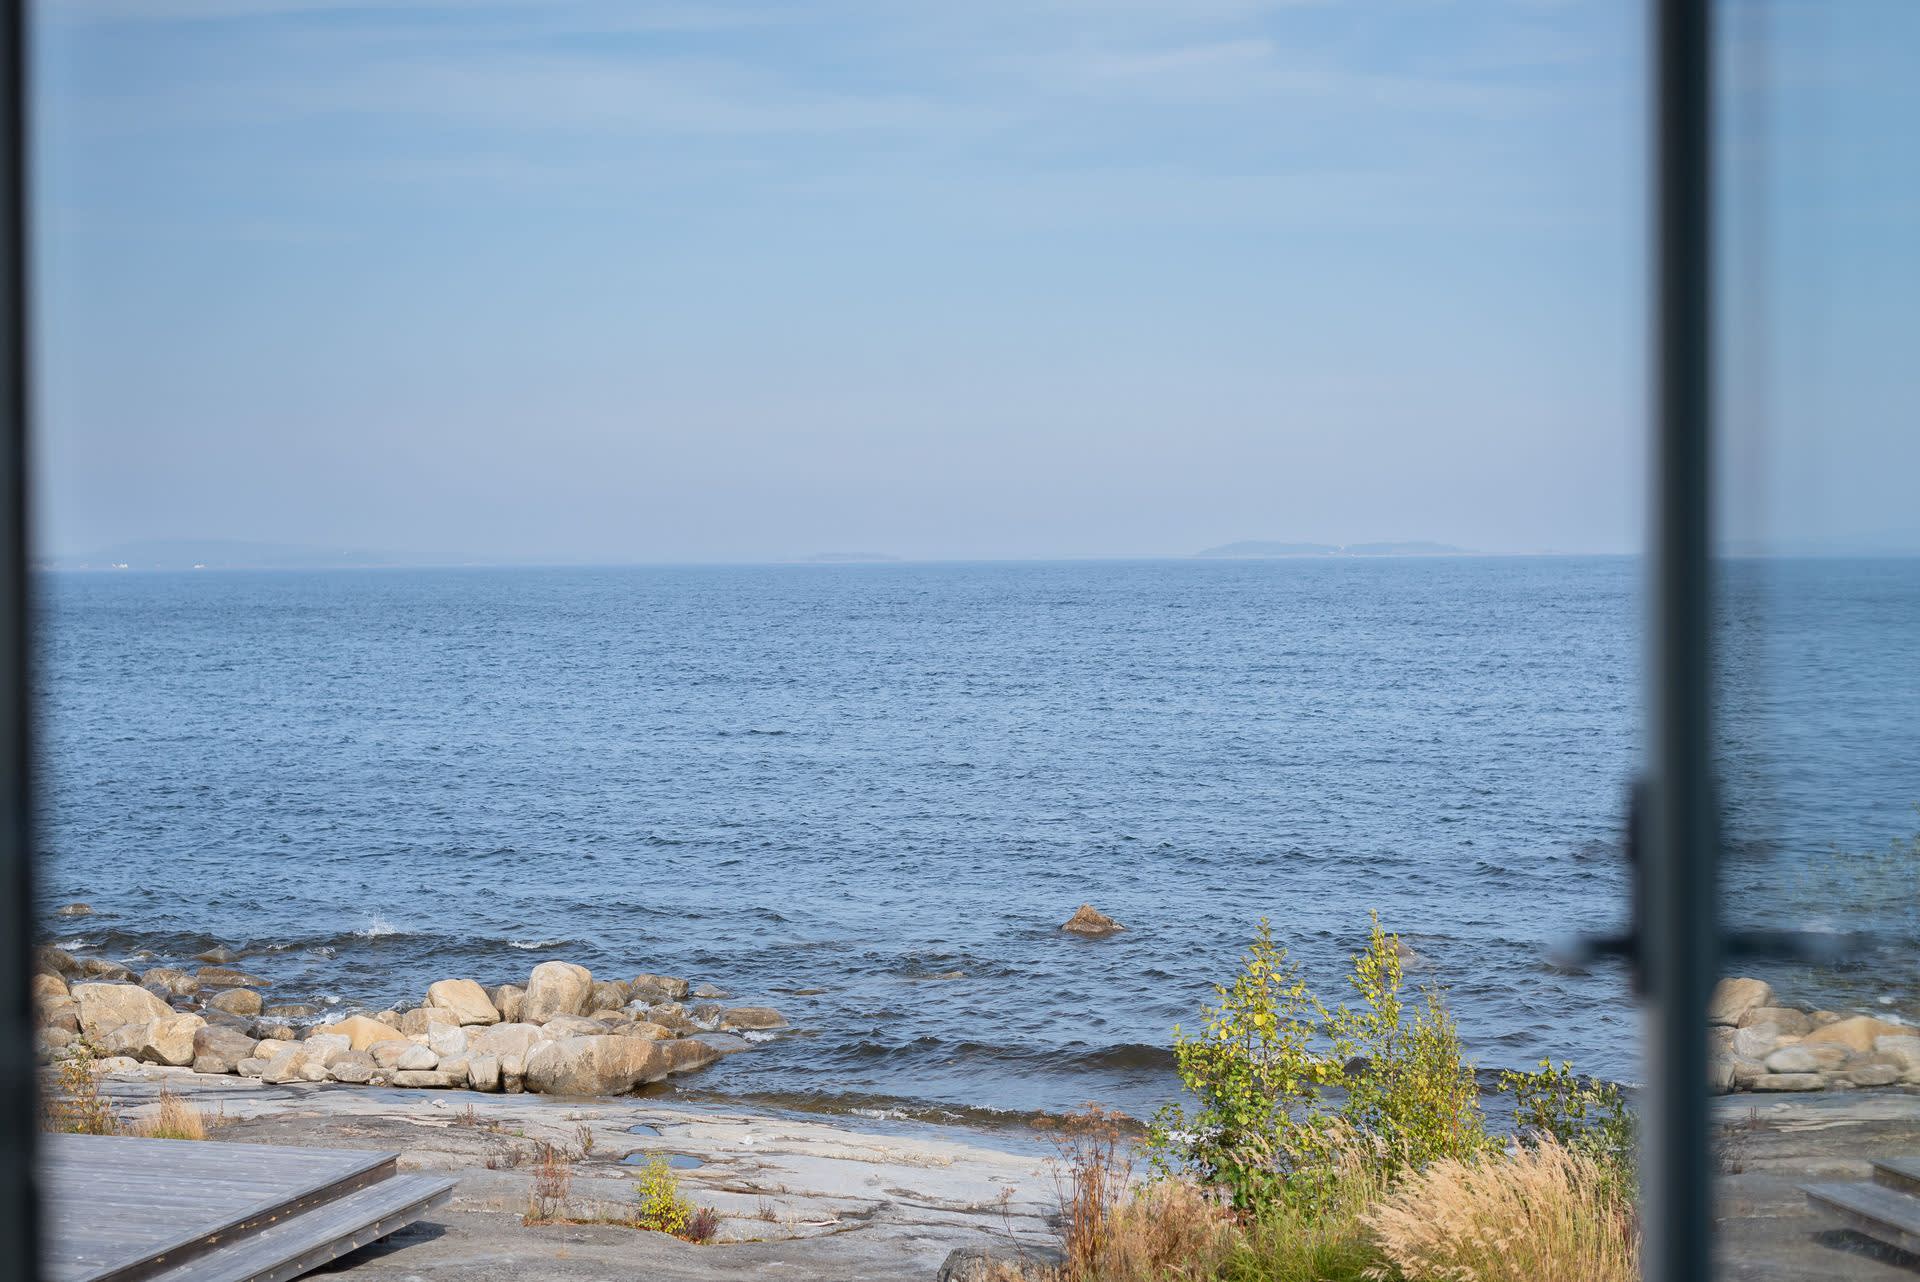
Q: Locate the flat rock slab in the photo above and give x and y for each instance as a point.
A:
(1769, 1147)
(797, 1198)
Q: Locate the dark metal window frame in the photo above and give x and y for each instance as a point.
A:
(1677, 929)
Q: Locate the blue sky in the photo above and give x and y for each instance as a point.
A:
(493, 280)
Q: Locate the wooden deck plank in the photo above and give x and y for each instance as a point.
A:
(1901, 1173)
(120, 1209)
(1873, 1209)
(292, 1247)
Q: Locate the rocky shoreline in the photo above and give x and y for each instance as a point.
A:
(562, 1032)
(1756, 1045)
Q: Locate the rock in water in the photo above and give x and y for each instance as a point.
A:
(235, 1001)
(219, 955)
(465, 999)
(595, 1065)
(74, 910)
(556, 988)
(1091, 922)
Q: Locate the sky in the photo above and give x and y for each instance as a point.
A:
(574, 280)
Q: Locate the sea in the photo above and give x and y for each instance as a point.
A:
(869, 794)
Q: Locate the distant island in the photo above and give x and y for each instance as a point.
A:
(1260, 549)
(217, 554)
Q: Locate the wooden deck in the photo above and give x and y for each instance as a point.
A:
(136, 1210)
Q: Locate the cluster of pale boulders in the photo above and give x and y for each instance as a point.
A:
(562, 1033)
(1755, 1045)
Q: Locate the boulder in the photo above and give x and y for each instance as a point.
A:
(1091, 922)
(1755, 1041)
(416, 1059)
(557, 988)
(706, 992)
(1009, 1263)
(659, 988)
(508, 999)
(324, 1048)
(601, 1065)
(739, 1019)
(168, 982)
(353, 1067)
(46, 987)
(61, 1012)
(361, 1032)
(100, 968)
(465, 999)
(644, 1028)
(272, 1046)
(312, 1070)
(170, 1040)
(1872, 1075)
(454, 1066)
(505, 1040)
(1789, 1082)
(218, 955)
(253, 1066)
(227, 1019)
(1733, 998)
(226, 977)
(416, 1022)
(427, 1078)
(686, 1054)
(672, 1015)
(284, 1067)
(707, 1015)
(220, 1050)
(271, 1028)
(1900, 1049)
(48, 960)
(117, 1064)
(54, 1040)
(108, 1006)
(287, 1012)
(1807, 1059)
(386, 1055)
(612, 1018)
(236, 1001)
(1856, 1034)
(608, 994)
(447, 1039)
(483, 1072)
(1790, 1022)
(391, 1018)
(574, 1026)
(74, 910)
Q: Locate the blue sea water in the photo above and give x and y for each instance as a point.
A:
(869, 794)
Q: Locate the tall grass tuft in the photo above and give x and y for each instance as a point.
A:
(175, 1119)
(1545, 1214)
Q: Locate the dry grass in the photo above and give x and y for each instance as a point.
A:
(1092, 1177)
(552, 1184)
(175, 1119)
(1545, 1214)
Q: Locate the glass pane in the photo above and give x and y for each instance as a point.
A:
(1821, 648)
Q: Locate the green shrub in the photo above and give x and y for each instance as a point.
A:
(661, 1207)
(1581, 1114)
(1249, 1070)
(1416, 1096)
(1261, 1133)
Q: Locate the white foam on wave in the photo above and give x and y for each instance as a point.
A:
(532, 945)
(379, 927)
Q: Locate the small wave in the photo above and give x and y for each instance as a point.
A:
(534, 945)
(379, 928)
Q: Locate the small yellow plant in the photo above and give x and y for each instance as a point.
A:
(661, 1208)
(1545, 1214)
